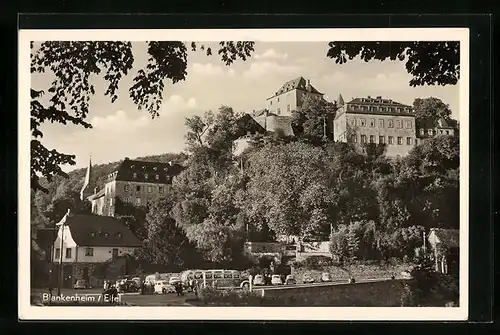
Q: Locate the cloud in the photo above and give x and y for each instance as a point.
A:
(336, 77)
(119, 122)
(271, 54)
(259, 69)
(176, 104)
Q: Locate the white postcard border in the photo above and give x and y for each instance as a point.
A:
(28, 312)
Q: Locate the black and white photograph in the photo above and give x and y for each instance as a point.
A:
(283, 174)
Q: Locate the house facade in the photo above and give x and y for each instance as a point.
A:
(85, 241)
(378, 121)
(445, 245)
(134, 182)
(427, 128)
(291, 96)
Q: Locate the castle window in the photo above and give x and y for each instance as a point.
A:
(58, 253)
(363, 122)
(132, 166)
(68, 252)
(89, 252)
(160, 189)
(288, 108)
(354, 138)
(422, 131)
(430, 132)
(126, 187)
(391, 140)
(92, 234)
(106, 234)
(408, 124)
(398, 123)
(372, 123)
(408, 140)
(138, 188)
(146, 176)
(157, 177)
(271, 102)
(416, 141)
(138, 201)
(119, 235)
(353, 122)
(390, 124)
(447, 132)
(154, 168)
(372, 138)
(381, 123)
(279, 111)
(126, 199)
(381, 139)
(400, 140)
(135, 175)
(363, 139)
(278, 99)
(150, 188)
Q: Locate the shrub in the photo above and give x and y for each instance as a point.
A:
(316, 262)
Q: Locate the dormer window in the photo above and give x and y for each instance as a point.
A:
(119, 235)
(92, 234)
(135, 175)
(155, 168)
(106, 234)
(157, 177)
(144, 167)
(132, 166)
(146, 175)
(165, 169)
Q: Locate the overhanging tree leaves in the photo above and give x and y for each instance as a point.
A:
(75, 63)
(429, 63)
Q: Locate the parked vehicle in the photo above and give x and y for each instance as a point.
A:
(164, 287)
(215, 278)
(128, 286)
(259, 280)
(326, 277)
(276, 280)
(307, 278)
(137, 280)
(81, 284)
(174, 280)
(290, 280)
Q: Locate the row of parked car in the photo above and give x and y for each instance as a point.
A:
(307, 278)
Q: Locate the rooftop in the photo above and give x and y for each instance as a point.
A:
(378, 106)
(297, 84)
(96, 230)
(145, 172)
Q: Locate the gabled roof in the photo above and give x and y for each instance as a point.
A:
(297, 84)
(146, 172)
(100, 231)
(447, 237)
(248, 124)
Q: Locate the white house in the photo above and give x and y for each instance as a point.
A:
(445, 247)
(89, 240)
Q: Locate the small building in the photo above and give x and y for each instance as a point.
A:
(445, 245)
(428, 128)
(378, 121)
(89, 241)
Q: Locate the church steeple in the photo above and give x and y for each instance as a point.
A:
(340, 101)
(87, 182)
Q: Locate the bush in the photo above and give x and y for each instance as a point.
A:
(430, 288)
(316, 262)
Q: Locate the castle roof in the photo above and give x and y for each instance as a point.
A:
(387, 107)
(296, 84)
(100, 231)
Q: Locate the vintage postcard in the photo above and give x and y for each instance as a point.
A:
(284, 174)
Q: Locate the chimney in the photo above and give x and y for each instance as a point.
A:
(379, 97)
(369, 97)
(126, 158)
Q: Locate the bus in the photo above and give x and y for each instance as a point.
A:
(219, 278)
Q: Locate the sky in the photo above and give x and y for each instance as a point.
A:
(120, 130)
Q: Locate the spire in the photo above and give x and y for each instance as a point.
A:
(87, 181)
(340, 101)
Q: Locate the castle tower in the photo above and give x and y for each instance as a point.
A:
(340, 101)
(88, 183)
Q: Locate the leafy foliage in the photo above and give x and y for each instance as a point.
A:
(429, 63)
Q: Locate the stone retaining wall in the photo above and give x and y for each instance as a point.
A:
(381, 293)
